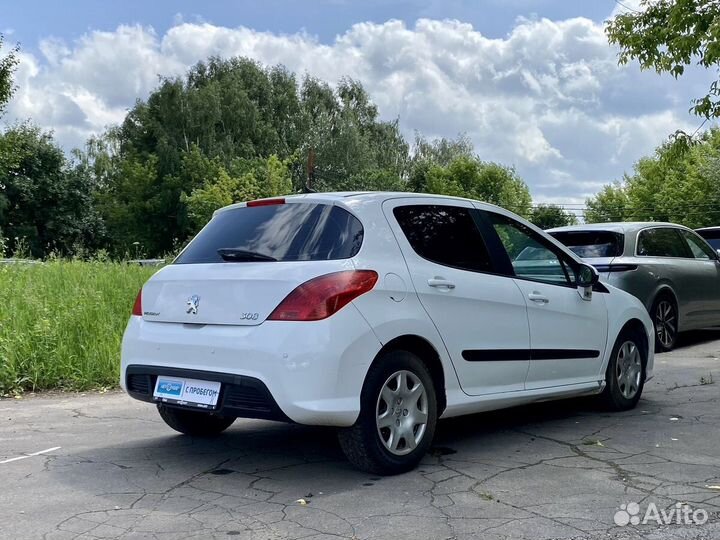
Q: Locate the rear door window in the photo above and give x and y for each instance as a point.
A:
(662, 242)
(588, 244)
(446, 235)
(280, 232)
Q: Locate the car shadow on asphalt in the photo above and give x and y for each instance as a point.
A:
(697, 337)
(293, 453)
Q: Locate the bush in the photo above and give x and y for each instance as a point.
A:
(61, 323)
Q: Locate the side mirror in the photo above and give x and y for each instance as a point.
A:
(587, 276)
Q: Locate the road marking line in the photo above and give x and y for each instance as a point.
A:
(31, 455)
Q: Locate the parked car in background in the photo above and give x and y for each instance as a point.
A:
(711, 236)
(671, 269)
(377, 313)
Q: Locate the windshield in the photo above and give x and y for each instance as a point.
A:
(278, 232)
(589, 244)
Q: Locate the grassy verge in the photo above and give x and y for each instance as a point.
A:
(61, 323)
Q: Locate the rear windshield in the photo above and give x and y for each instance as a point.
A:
(590, 244)
(284, 232)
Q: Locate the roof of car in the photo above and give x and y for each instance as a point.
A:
(618, 226)
(715, 228)
(371, 195)
(363, 196)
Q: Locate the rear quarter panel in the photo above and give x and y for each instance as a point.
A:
(623, 307)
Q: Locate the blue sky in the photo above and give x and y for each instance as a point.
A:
(533, 83)
(323, 18)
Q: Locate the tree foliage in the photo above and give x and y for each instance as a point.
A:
(475, 179)
(668, 36)
(228, 131)
(547, 216)
(8, 64)
(682, 190)
(45, 203)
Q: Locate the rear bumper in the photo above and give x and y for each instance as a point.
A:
(240, 396)
(306, 372)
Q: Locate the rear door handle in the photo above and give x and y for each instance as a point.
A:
(538, 298)
(440, 283)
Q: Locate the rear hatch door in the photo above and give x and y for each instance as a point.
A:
(247, 259)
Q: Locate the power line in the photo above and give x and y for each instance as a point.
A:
(627, 7)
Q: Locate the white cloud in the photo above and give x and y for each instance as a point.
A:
(547, 98)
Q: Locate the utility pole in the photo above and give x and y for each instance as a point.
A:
(310, 171)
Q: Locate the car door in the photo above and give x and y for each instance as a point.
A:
(568, 333)
(668, 258)
(706, 275)
(481, 316)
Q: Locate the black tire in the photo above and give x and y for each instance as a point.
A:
(666, 324)
(615, 396)
(198, 424)
(362, 443)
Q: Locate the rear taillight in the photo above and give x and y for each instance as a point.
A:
(137, 306)
(615, 267)
(264, 202)
(324, 295)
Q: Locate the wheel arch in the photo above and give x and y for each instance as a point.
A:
(424, 350)
(636, 325)
(665, 289)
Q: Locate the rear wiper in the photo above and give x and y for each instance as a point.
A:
(242, 255)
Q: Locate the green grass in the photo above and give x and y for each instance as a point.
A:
(61, 323)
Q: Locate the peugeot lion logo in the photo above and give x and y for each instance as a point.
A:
(192, 304)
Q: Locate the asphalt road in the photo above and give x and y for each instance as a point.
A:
(110, 468)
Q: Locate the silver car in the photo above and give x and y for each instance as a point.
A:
(671, 269)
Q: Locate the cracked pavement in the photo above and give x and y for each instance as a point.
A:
(546, 471)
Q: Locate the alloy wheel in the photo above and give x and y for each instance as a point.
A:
(665, 323)
(402, 412)
(628, 369)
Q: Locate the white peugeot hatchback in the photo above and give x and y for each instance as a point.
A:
(377, 313)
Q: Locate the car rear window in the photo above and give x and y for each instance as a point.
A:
(590, 244)
(284, 232)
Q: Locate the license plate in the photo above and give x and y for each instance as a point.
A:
(189, 392)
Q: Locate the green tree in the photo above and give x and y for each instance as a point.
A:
(219, 192)
(350, 144)
(685, 189)
(8, 65)
(261, 178)
(233, 130)
(484, 181)
(229, 130)
(130, 208)
(547, 216)
(44, 202)
(667, 36)
(609, 204)
(437, 152)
